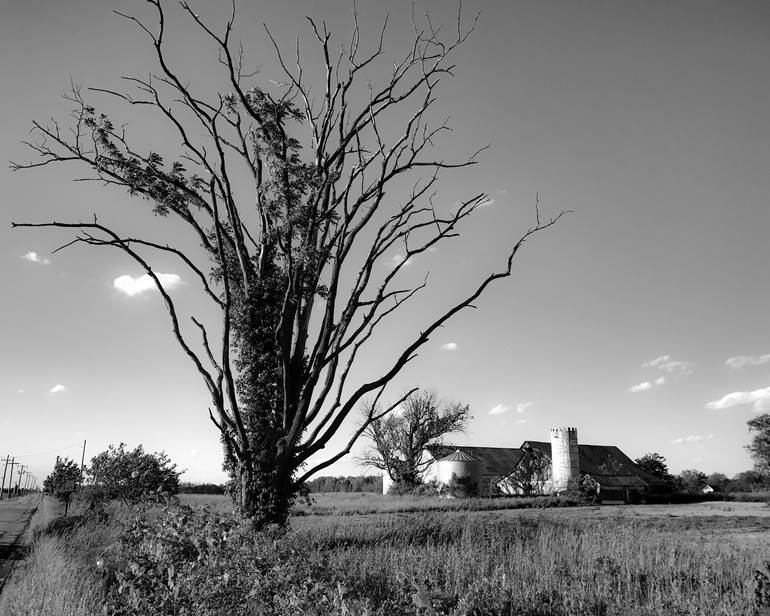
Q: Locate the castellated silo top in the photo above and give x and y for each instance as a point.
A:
(458, 456)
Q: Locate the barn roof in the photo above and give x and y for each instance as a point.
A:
(603, 461)
(619, 481)
(494, 460)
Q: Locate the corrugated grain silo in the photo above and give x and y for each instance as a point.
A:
(461, 465)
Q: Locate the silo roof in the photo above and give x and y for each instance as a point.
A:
(458, 456)
(496, 461)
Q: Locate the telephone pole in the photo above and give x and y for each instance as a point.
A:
(82, 460)
(22, 472)
(5, 470)
(12, 463)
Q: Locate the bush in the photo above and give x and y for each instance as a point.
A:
(461, 487)
(402, 488)
(187, 562)
(131, 475)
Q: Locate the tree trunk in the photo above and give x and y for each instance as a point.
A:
(265, 497)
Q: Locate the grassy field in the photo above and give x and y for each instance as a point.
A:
(368, 554)
(360, 503)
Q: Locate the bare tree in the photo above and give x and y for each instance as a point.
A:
(397, 442)
(292, 269)
(531, 473)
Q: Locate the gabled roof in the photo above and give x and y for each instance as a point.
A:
(494, 460)
(603, 461)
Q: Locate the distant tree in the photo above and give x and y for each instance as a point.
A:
(691, 481)
(64, 471)
(655, 464)
(293, 194)
(366, 483)
(750, 481)
(759, 448)
(201, 488)
(719, 482)
(533, 469)
(130, 475)
(397, 442)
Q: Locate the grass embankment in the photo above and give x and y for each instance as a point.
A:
(58, 576)
(534, 563)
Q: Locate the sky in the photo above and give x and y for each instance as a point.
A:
(641, 319)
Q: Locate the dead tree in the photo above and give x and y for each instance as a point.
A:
(293, 320)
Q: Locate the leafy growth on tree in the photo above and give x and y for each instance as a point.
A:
(397, 442)
(65, 473)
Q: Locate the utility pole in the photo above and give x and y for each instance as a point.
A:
(22, 471)
(82, 460)
(5, 470)
(10, 480)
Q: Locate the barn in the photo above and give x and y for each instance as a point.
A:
(540, 467)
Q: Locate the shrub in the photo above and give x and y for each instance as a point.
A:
(403, 488)
(461, 487)
(131, 475)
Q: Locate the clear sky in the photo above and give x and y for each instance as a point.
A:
(648, 119)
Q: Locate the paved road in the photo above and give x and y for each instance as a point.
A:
(14, 515)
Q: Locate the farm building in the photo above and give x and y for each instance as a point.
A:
(539, 467)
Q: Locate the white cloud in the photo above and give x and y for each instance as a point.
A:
(523, 406)
(743, 361)
(499, 409)
(449, 346)
(194, 452)
(57, 388)
(660, 380)
(397, 259)
(666, 364)
(643, 386)
(521, 421)
(20, 391)
(759, 399)
(134, 286)
(693, 438)
(35, 258)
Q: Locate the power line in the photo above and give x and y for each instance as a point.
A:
(42, 453)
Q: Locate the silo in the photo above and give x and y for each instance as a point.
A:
(461, 465)
(565, 459)
(386, 482)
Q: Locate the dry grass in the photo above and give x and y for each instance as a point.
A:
(362, 503)
(59, 577)
(603, 561)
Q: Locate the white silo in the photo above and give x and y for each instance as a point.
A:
(386, 482)
(565, 459)
(461, 465)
